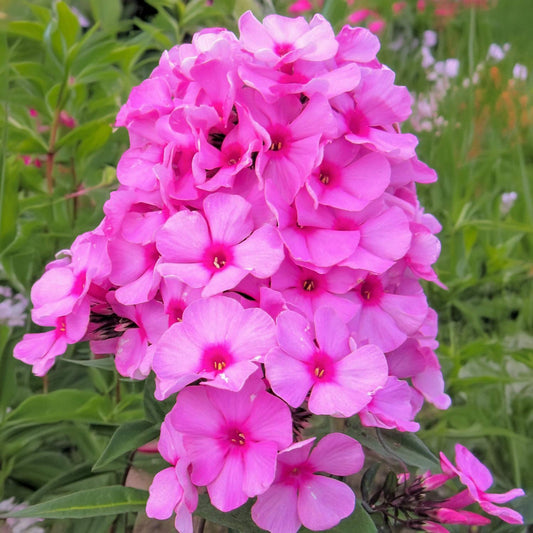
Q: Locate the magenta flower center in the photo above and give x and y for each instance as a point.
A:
(282, 48)
(371, 290)
(216, 358)
(322, 367)
(217, 257)
(237, 437)
(308, 285)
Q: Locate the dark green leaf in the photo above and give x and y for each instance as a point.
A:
(60, 405)
(87, 503)
(335, 11)
(238, 519)
(394, 445)
(127, 437)
(155, 410)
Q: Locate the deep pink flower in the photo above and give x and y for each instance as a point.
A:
(232, 439)
(477, 478)
(300, 496)
(341, 377)
(218, 340)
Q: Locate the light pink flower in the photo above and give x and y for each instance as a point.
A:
(232, 439)
(300, 496)
(217, 340)
(216, 252)
(341, 377)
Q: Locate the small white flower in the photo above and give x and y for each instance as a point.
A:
(520, 72)
(430, 38)
(506, 202)
(495, 52)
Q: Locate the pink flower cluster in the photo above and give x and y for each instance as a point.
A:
(262, 254)
(429, 514)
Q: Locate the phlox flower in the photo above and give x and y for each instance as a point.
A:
(477, 478)
(341, 377)
(232, 439)
(280, 40)
(217, 251)
(171, 490)
(218, 340)
(295, 131)
(385, 317)
(306, 290)
(299, 495)
(347, 178)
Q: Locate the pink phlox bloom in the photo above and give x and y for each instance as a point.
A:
(299, 495)
(348, 178)
(311, 235)
(41, 349)
(341, 377)
(357, 44)
(135, 348)
(420, 363)
(295, 131)
(148, 101)
(234, 154)
(477, 478)
(406, 171)
(171, 490)
(371, 113)
(300, 6)
(136, 167)
(282, 40)
(64, 285)
(452, 516)
(176, 297)
(393, 406)
(302, 77)
(387, 318)
(385, 237)
(134, 216)
(232, 439)
(217, 340)
(133, 270)
(423, 252)
(306, 290)
(218, 251)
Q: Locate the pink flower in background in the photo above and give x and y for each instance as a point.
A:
(299, 496)
(477, 478)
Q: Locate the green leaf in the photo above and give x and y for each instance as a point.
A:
(153, 409)
(127, 437)
(106, 363)
(7, 370)
(87, 503)
(335, 11)
(106, 12)
(394, 445)
(238, 519)
(23, 28)
(60, 405)
(69, 25)
(76, 473)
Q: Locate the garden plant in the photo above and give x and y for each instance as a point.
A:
(265, 266)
